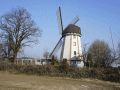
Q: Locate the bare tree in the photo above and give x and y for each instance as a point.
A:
(117, 59)
(89, 62)
(18, 30)
(118, 50)
(100, 54)
(46, 54)
(3, 53)
(85, 53)
(54, 60)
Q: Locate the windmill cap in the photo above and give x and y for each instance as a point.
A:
(72, 29)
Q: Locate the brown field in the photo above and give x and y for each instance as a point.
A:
(10, 81)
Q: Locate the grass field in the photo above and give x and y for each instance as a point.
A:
(9, 81)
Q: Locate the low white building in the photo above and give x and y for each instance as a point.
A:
(31, 61)
(40, 62)
(116, 63)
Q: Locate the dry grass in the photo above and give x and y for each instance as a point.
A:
(10, 81)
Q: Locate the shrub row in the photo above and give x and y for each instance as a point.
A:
(108, 74)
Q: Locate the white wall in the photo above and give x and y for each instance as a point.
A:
(69, 47)
(66, 47)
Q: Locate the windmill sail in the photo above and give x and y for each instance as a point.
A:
(58, 45)
(59, 19)
(75, 20)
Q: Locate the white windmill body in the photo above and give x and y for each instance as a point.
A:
(71, 49)
(70, 42)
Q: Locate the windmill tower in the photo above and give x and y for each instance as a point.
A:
(70, 41)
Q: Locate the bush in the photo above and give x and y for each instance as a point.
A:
(64, 67)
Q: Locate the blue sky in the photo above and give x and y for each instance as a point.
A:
(96, 16)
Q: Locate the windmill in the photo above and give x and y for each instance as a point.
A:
(69, 41)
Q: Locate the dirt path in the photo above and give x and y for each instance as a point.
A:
(10, 81)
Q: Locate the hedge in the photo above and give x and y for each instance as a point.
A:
(107, 74)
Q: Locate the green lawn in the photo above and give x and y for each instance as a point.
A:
(10, 81)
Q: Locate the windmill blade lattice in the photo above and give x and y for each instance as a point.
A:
(59, 19)
(75, 20)
(58, 45)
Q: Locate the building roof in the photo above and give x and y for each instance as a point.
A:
(72, 29)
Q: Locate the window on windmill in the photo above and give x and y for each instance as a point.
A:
(74, 43)
(38, 60)
(74, 36)
(74, 52)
